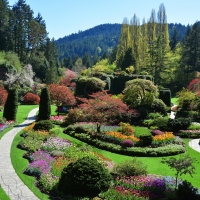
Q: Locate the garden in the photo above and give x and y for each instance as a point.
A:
(105, 146)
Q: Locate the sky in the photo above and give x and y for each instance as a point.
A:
(64, 17)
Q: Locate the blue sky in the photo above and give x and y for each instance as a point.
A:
(64, 17)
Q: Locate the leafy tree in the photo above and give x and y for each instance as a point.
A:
(45, 105)
(139, 92)
(101, 108)
(181, 165)
(61, 95)
(69, 75)
(3, 96)
(11, 105)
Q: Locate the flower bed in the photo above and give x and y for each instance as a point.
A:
(5, 125)
(189, 133)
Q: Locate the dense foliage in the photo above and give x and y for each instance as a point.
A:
(31, 98)
(45, 105)
(11, 105)
(85, 177)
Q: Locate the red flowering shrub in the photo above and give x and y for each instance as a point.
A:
(31, 98)
(61, 95)
(194, 85)
(3, 96)
(101, 108)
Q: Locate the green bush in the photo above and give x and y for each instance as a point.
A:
(45, 125)
(132, 167)
(159, 106)
(179, 124)
(154, 115)
(45, 105)
(186, 191)
(146, 139)
(55, 131)
(85, 177)
(161, 123)
(11, 105)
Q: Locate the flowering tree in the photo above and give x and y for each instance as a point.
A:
(69, 75)
(194, 85)
(3, 96)
(61, 95)
(101, 108)
(25, 77)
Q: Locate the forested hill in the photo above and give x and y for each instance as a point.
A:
(99, 39)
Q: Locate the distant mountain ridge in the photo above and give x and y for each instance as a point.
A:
(99, 39)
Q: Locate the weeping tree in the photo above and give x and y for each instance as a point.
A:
(45, 105)
(11, 105)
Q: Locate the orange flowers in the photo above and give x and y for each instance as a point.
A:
(167, 136)
(122, 137)
(28, 128)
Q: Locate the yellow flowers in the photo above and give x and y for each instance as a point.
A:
(29, 127)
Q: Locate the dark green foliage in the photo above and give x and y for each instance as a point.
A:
(45, 125)
(186, 191)
(146, 139)
(89, 85)
(165, 96)
(161, 123)
(158, 106)
(132, 167)
(85, 177)
(45, 105)
(179, 124)
(11, 105)
(118, 82)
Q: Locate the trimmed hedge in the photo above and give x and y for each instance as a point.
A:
(168, 150)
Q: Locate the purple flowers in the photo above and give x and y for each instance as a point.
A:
(127, 143)
(156, 132)
(41, 163)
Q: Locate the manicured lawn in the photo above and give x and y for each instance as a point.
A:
(174, 101)
(153, 164)
(3, 195)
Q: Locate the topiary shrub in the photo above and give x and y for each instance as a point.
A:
(11, 105)
(45, 125)
(85, 177)
(179, 124)
(159, 106)
(31, 98)
(127, 143)
(45, 105)
(146, 139)
(161, 123)
(132, 167)
(186, 191)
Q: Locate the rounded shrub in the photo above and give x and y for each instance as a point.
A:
(146, 139)
(85, 177)
(31, 98)
(55, 131)
(45, 125)
(127, 143)
(156, 132)
(132, 167)
(159, 106)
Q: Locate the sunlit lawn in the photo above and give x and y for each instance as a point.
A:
(174, 101)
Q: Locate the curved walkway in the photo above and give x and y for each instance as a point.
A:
(194, 144)
(9, 180)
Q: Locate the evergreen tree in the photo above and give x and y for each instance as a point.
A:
(11, 105)
(174, 39)
(45, 105)
(67, 62)
(4, 24)
(86, 60)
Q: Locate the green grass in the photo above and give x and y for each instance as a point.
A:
(3, 195)
(174, 101)
(153, 164)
